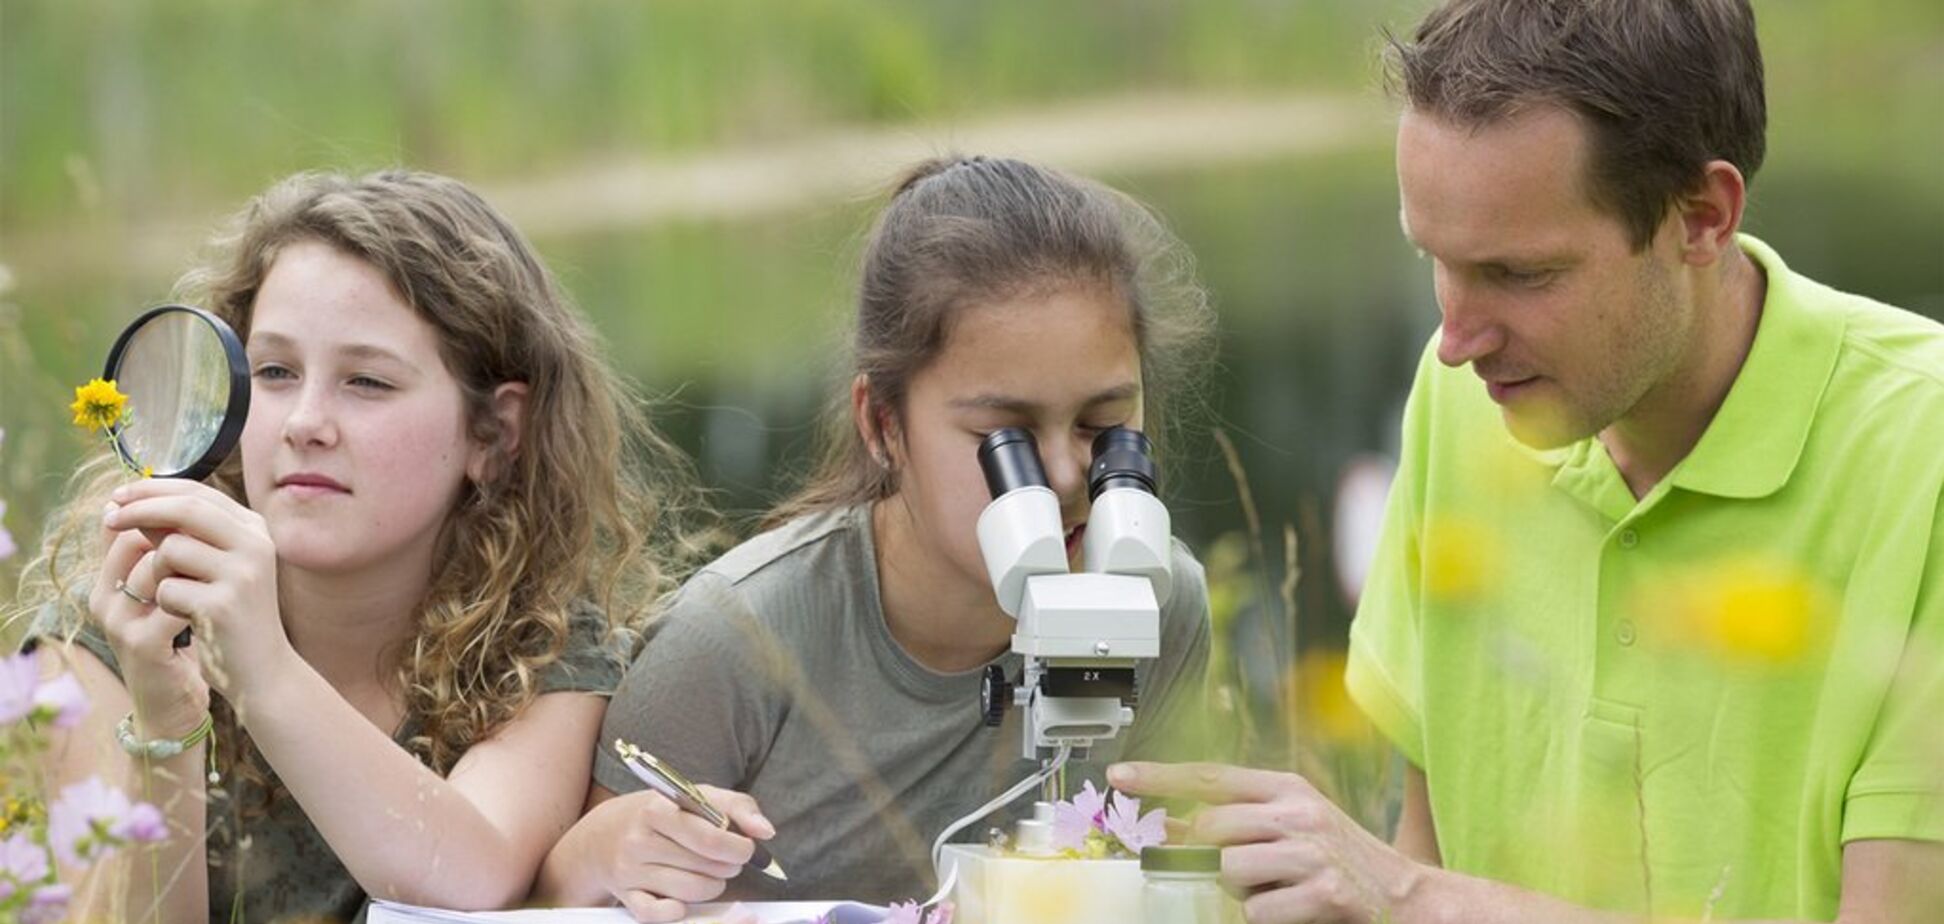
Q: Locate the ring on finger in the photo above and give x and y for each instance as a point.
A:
(130, 593)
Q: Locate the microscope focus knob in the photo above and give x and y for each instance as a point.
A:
(994, 691)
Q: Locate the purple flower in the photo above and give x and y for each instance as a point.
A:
(7, 547)
(19, 675)
(22, 861)
(64, 697)
(80, 822)
(907, 913)
(144, 824)
(1074, 820)
(1135, 831)
(48, 905)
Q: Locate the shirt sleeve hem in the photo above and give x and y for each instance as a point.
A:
(1911, 815)
(1377, 696)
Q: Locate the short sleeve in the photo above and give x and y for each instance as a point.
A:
(1384, 675)
(593, 659)
(49, 625)
(1898, 789)
(697, 695)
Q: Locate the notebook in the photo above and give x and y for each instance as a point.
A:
(383, 912)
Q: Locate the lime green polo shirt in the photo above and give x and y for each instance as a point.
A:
(1639, 704)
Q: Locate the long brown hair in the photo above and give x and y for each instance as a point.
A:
(592, 508)
(965, 231)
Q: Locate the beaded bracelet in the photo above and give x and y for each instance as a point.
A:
(161, 748)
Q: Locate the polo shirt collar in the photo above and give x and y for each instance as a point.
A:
(1755, 440)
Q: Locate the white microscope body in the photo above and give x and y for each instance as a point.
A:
(1080, 633)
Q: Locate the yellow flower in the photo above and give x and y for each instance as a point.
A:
(1313, 690)
(1762, 612)
(98, 405)
(1460, 559)
(1749, 609)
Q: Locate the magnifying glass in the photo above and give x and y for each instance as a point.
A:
(188, 385)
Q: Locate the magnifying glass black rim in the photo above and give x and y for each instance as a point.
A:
(239, 389)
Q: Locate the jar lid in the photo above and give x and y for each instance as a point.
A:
(1181, 859)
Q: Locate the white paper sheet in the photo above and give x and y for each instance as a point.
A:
(383, 912)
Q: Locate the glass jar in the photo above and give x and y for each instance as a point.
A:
(1181, 885)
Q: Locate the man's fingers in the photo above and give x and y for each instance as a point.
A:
(1249, 867)
(1211, 783)
(1290, 905)
(1256, 822)
(742, 811)
(652, 908)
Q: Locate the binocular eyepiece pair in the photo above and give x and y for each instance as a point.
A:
(1122, 458)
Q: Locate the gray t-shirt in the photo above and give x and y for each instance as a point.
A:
(772, 672)
(275, 866)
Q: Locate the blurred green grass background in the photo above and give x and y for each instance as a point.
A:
(726, 154)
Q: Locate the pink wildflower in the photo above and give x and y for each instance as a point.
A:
(1074, 819)
(19, 675)
(82, 822)
(63, 697)
(48, 905)
(143, 824)
(1135, 831)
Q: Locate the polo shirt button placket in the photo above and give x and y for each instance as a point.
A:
(1629, 539)
(1623, 632)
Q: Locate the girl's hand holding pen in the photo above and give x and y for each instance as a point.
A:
(664, 858)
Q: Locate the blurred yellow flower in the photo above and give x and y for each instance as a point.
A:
(1758, 610)
(1316, 695)
(1749, 609)
(98, 405)
(1460, 558)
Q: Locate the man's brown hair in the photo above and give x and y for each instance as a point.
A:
(1663, 86)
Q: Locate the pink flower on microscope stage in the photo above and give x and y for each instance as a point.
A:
(1073, 820)
(1135, 831)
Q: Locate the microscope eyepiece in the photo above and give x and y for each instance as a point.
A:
(1010, 459)
(1122, 458)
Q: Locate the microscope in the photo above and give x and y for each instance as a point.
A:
(1079, 633)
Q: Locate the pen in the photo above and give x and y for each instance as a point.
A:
(665, 780)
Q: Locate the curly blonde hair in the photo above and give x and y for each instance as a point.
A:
(591, 509)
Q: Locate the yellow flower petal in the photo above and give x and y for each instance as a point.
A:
(98, 405)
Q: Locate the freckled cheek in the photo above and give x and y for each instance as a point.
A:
(258, 444)
(417, 449)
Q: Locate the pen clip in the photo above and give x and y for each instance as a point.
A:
(669, 782)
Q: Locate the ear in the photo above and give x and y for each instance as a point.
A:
(1712, 214)
(509, 404)
(875, 425)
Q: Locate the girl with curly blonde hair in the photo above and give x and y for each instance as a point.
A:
(412, 586)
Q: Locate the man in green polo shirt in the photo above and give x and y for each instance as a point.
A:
(1658, 616)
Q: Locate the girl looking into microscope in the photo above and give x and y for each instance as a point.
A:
(823, 678)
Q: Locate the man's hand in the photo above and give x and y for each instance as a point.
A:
(1287, 851)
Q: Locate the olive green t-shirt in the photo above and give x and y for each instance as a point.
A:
(274, 866)
(773, 673)
(1691, 701)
